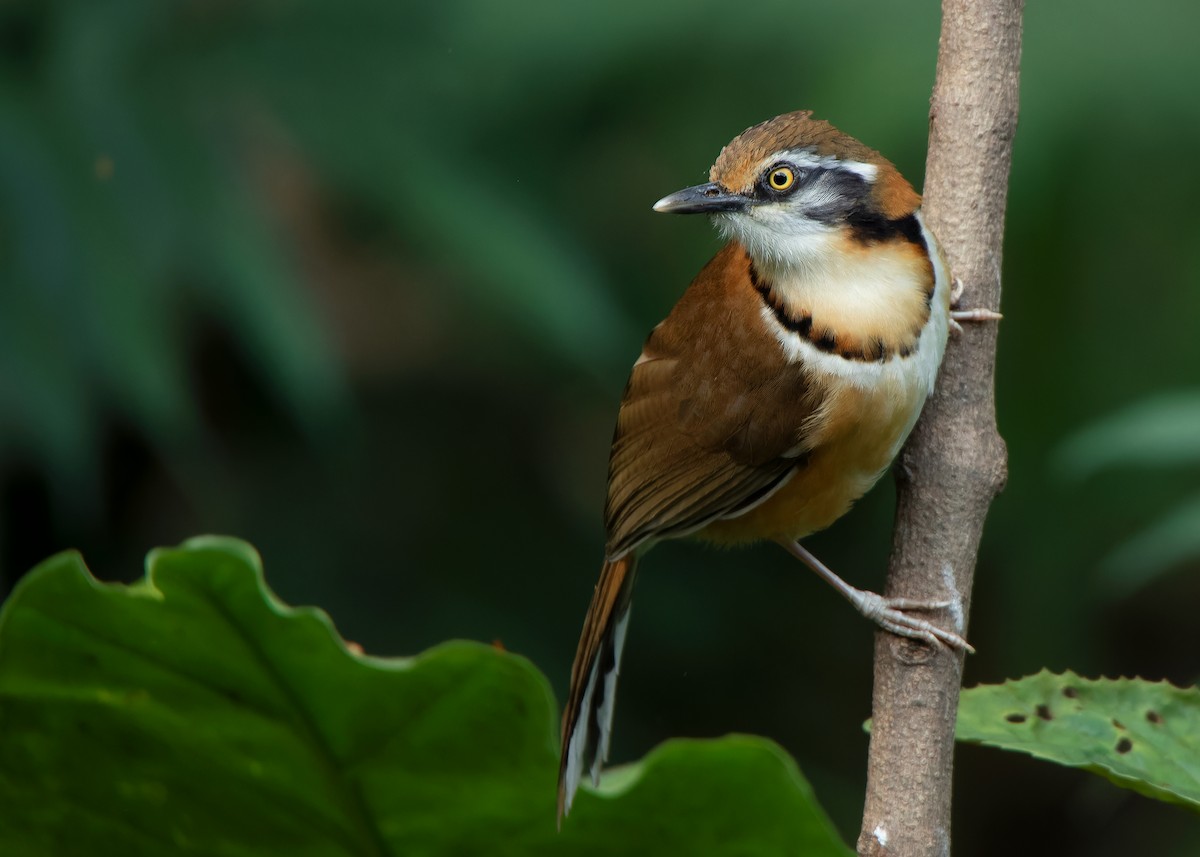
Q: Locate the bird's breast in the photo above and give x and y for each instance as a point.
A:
(868, 408)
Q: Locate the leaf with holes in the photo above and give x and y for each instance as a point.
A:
(1142, 735)
(192, 713)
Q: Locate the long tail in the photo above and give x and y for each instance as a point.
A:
(587, 722)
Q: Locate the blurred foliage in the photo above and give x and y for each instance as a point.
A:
(361, 282)
(192, 713)
(124, 220)
(1163, 431)
(1160, 432)
(1139, 734)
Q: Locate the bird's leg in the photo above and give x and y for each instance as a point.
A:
(888, 613)
(957, 315)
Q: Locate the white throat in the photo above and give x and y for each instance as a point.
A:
(781, 243)
(817, 269)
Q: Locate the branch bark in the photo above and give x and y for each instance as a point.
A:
(955, 461)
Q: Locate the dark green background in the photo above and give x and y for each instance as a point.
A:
(361, 282)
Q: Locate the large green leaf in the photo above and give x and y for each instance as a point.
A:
(192, 712)
(1141, 735)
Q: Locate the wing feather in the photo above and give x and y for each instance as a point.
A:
(712, 421)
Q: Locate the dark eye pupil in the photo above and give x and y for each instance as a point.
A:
(779, 179)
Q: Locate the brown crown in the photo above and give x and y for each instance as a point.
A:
(737, 165)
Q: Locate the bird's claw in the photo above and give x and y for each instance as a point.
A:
(969, 315)
(892, 615)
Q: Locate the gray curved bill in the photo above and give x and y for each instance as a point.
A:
(708, 198)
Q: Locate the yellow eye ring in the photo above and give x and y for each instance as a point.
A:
(780, 179)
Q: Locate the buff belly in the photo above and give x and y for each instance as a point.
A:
(860, 435)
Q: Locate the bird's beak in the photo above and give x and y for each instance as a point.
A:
(708, 198)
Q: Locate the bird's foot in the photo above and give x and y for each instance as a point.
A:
(969, 315)
(892, 614)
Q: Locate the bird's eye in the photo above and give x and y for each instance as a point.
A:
(780, 179)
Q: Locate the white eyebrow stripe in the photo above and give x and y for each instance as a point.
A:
(808, 159)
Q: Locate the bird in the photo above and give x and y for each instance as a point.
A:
(777, 391)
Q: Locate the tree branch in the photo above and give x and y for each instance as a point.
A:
(955, 462)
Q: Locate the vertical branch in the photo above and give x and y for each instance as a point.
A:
(955, 462)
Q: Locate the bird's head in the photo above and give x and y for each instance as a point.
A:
(788, 186)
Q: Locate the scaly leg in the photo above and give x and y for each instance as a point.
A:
(888, 613)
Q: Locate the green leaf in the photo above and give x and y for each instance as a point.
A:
(191, 712)
(1139, 734)
(739, 795)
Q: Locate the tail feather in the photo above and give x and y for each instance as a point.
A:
(587, 721)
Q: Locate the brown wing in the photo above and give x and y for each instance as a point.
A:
(714, 418)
